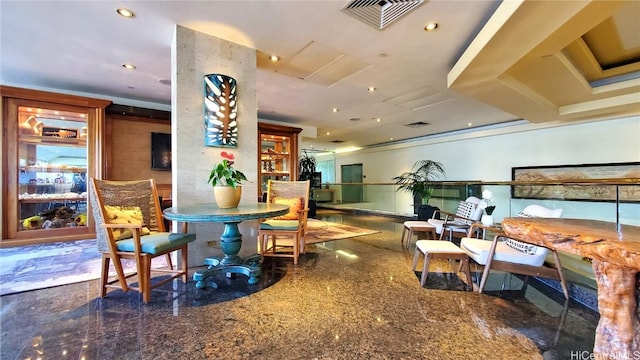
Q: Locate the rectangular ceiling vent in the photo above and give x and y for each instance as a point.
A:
(417, 124)
(380, 13)
(337, 141)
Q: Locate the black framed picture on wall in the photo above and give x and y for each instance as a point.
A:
(160, 151)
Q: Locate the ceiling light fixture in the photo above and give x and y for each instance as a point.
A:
(274, 58)
(125, 13)
(371, 89)
(334, 110)
(128, 66)
(431, 26)
(378, 119)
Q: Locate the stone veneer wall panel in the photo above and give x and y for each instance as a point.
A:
(194, 55)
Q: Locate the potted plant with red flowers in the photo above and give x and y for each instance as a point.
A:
(226, 182)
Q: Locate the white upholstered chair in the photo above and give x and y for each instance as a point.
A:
(466, 214)
(513, 256)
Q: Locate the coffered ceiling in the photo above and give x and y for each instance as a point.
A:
(581, 62)
(487, 62)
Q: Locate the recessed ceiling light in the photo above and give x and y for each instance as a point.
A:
(391, 139)
(378, 119)
(128, 66)
(328, 133)
(469, 124)
(274, 58)
(431, 26)
(371, 89)
(334, 110)
(126, 13)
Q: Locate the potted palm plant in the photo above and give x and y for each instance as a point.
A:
(417, 182)
(226, 182)
(306, 170)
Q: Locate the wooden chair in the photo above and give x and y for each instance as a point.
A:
(129, 225)
(290, 227)
(513, 256)
(466, 214)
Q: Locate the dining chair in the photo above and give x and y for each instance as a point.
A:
(283, 236)
(129, 225)
(513, 256)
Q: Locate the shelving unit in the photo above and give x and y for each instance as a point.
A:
(277, 153)
(52, 145)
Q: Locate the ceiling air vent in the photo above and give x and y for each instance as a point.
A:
(380, 13)
(417, 124)
(337, 141)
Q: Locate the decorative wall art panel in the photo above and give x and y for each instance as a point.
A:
(589, 192)
(220, 111)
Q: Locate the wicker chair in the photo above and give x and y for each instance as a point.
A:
(291, 226)
(129, 225)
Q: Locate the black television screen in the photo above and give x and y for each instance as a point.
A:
(160, 151)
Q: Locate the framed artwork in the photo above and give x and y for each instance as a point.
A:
(592, 192)
(160, 151)
(220, 111)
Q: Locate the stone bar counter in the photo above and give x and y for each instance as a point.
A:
(616, 263)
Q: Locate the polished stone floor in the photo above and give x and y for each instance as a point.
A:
(348, 299)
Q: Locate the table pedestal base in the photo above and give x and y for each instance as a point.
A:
(618, 332)
(231, 263)
(250, 267)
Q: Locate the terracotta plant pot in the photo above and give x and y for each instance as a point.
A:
(226, 196)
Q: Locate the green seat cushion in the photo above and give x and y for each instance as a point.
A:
(156, 243)
(279, 225)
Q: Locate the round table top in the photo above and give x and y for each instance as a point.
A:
(212, 213)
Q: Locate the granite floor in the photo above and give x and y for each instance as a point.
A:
(348, 299)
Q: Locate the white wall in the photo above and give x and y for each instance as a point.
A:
(490, 155)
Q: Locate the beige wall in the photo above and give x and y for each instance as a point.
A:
(131, 149)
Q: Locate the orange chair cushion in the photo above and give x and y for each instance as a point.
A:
(295, 205)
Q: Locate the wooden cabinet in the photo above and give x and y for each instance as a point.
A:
(52, 146)
(277, 153)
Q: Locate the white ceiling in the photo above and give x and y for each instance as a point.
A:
(329, 59)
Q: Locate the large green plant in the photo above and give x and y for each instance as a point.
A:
(417, 182)
(306, 166)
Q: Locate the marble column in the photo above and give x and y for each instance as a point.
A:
(194, 55)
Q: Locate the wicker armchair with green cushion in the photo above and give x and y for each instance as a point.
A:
(129, 225)
(276, 236)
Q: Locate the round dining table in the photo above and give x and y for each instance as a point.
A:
(231, 238)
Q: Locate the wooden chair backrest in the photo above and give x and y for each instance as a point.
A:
(136, 193)
(288, 189)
